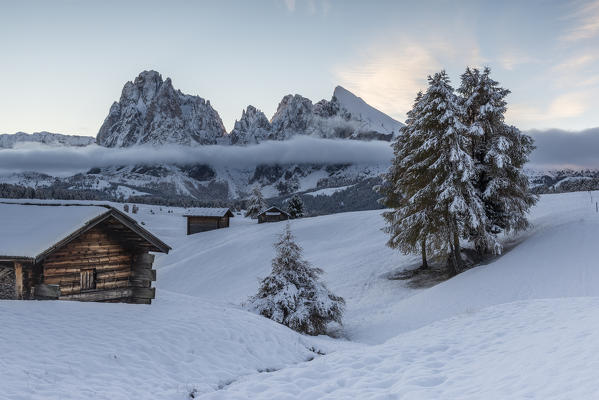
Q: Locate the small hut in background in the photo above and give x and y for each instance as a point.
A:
(207, 219)
(75, 252)
(272, 214)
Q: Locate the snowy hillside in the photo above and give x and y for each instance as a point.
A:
(495, 331)
(8, 141)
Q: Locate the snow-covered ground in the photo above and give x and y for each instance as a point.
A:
(523, 326)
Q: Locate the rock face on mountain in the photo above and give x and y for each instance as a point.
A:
(293, 117)
(344, 116)
(151, 111)
(8, 141)
(252, 128)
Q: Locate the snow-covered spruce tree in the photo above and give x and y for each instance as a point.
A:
(409, 222)
(256, 203)
(437, 173)
(499, 152)
(293, 295)
(295, 207)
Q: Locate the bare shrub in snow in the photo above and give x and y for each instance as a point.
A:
(293, 295)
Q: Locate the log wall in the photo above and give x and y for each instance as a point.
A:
(202, 224)
(97, 266)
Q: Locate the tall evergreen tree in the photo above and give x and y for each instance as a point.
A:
(408, 223)
(256, 203)
(435, 203)
(293, 295)
(499, 152)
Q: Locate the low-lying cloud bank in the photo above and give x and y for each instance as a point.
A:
(555, 149)
(69, 160)
(562, 149)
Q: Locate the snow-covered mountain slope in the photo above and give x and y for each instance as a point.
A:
(370, 118)
(179, 184)
(8, 141)
(493, 332)
(151, 111)
(564, 180)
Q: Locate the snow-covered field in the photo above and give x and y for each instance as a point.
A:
(523, 326)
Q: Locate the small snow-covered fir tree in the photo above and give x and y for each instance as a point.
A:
(499, 152)
(256, 203)
(295, 207)
(293, 295)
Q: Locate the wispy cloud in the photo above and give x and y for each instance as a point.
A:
(585, 22)
(569, 105)
(313, 6)
(513, 58)
(389, 78)
(564, 106)
(290, 4)
(577, 62)
(69, 160)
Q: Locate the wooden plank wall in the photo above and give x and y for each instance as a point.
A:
(95, 249)
(202, 224)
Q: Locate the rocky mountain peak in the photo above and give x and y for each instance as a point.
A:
(151, 111)
(252, 128)
(292, 117)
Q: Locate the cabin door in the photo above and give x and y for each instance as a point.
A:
(88, 279)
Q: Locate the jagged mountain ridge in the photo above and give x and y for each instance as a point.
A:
(8, 141)
(344, 116)
(151, 111)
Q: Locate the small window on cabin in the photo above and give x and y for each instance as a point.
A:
(88, 279)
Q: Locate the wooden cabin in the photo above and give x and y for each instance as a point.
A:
(272, 214)
(207, 219)
(75, 252)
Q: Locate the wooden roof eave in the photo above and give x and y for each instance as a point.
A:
(228, 213)
(16, 259)
(112, 212)
(274, 208)
(144, 233)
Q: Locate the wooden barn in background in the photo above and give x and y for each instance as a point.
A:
(272, 214)
(75, 252)
(207, 219)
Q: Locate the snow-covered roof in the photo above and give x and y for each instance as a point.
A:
(273, 211)
(208, 212)
(28, 230)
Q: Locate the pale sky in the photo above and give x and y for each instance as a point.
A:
(63, 63)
